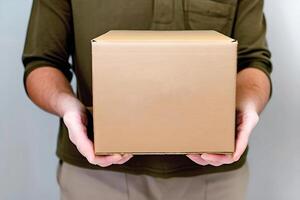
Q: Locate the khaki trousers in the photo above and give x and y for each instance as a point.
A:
(80, 184)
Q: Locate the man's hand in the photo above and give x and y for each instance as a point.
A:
(253, 89)
(246, 121)
(49, 89)
(76, 121)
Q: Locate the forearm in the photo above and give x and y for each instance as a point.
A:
(49, 89)
(253, 90)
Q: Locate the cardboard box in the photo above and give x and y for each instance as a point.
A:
(164, 92)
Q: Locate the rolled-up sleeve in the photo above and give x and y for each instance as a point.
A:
(250, 31)
(49, 39)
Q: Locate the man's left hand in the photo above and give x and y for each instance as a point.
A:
(246, 121)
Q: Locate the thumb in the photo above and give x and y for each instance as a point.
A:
(244, 129)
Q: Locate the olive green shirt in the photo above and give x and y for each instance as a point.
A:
(59, 29)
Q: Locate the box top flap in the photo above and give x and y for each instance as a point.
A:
(163, 36)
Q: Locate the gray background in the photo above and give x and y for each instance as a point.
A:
(28, 135)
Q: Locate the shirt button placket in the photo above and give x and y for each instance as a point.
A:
(168, 15)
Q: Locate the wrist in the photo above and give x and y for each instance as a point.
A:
(247, 106)
(68, 103)
(252, 90)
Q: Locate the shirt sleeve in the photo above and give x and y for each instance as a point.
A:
(49, 39)
(250, 31)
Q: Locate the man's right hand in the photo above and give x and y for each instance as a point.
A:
(76, 122)
(50, 90)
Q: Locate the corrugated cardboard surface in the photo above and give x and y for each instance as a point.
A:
(164, 92)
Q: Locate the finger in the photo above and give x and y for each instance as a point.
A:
(212, 162)
(105, 161)
(86, 148)
(124, 159)
(76, 131)
(243, 134)
(215, 164)
(78, 135)
(197, 159)
(241, 144)
(110, 159)
(217, 159)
